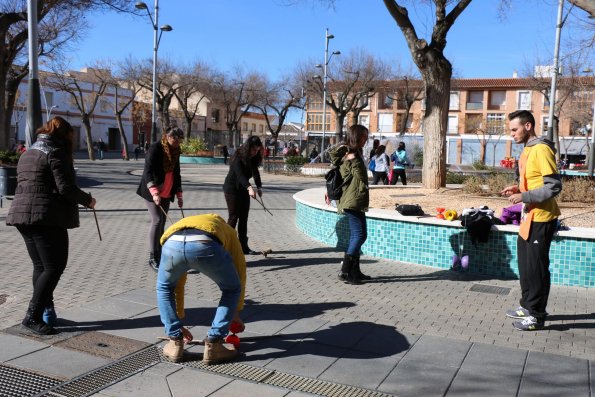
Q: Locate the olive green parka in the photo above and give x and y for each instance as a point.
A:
(356, 196)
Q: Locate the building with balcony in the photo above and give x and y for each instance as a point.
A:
(477, 115)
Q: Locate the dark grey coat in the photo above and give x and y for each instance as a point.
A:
(46, 192)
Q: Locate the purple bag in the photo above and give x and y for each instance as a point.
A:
(512, 214)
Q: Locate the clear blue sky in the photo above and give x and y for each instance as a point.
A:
(271, 36)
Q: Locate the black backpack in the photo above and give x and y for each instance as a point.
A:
(335, 183)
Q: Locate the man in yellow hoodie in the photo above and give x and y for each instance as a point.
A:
(206, 244)
(538, 185)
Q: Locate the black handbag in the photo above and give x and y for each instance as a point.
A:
(409, 209)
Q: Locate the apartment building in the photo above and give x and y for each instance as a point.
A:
(56, 102)
(477, 115)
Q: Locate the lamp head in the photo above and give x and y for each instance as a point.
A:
(336, 52)
(141, 5)
(330, 36)
(166, 28)
(316, 76)
(318, 65)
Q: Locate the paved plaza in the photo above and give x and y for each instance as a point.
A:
(412, 331)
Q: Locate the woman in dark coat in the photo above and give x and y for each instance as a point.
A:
(238, 190)
(161, 181)
(45, 205)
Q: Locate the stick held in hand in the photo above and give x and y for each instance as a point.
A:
(96, 222)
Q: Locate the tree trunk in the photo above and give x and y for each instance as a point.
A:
(87, 125)
(436, 77)
(340, 121)
(189, 128)
(122, 136)
(4, 132)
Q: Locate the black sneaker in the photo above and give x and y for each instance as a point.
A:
(520, 313)
(529, 324)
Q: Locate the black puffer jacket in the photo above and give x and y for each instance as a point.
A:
(46, 192)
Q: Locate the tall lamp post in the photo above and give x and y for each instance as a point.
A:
(327, 59)
(591, 158)
(157, 32)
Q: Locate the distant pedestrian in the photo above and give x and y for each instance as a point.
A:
(206, 244)
(539, 184)
(136, 152)
(225, 154)
(238, 189)
(354, 201)
(45, 206)
(313, 155)
(381, 166)
(160, 183)
(400, 162)
(100, 148)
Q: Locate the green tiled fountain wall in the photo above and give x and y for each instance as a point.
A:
(434, 245)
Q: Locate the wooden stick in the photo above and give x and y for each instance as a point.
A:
(96, 222)
(165, 213)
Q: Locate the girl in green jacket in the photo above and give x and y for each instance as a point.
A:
(355, 199)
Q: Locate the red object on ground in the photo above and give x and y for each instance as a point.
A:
(236, 327)
(233, 339)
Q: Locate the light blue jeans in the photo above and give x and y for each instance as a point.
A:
(208, 258)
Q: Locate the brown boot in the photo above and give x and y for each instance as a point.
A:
(216, 353)
(174, 350)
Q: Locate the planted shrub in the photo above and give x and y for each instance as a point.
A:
(9, 158)
(578, 189)
(455, 178)
(193, 145)
(294, 163)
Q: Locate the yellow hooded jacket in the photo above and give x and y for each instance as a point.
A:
(215, 225)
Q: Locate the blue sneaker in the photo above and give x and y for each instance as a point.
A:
(49, 316)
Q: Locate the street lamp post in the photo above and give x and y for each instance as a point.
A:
(157, 32)
(327, 59)
(591, 158)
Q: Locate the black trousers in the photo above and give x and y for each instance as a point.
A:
(48, 249)
(399, 172)
(383, 176)
(534, 263)
(238, 207)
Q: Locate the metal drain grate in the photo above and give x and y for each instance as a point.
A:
(489, 289)
(103, 377)
(15, 382)
(287, 381)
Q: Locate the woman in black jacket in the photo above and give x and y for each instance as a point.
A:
(45, 205)
(238, 190)
(161, 181)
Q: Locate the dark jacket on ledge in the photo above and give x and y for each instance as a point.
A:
(46, 192)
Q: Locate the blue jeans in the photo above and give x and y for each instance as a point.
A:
(358, 231)
(209, 258)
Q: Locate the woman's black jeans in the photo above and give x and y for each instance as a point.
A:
(48, 249)
(238, 206)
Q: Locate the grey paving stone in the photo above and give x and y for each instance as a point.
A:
(552, 375)
(418, 378)
(386, 340)
(193, 383)
(438, 351)
(58, 362)
(244, 388)
(145, 327)
(118, 307)
(139, 296)
(14, 346)
(489, 371)
(361, 369)
(308, 359)
(151, 382)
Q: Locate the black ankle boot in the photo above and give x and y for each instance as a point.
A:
(347, 273)
(357, 269)
(153, 261)
(33, 321)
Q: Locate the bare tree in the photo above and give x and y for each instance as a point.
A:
(166, 85)
(85, 98)
(192, 89)
(58, 20)
(276, 100)
(488, 132)
(125, 75)
(352, 81)
(587, 5)
(236, 92)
